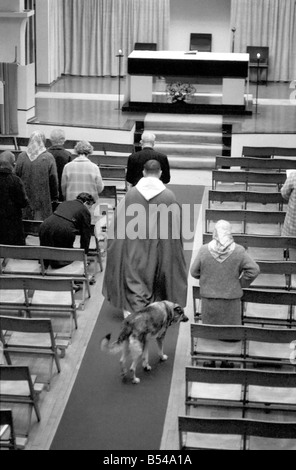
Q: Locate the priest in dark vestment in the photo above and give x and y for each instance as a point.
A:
(145, 257)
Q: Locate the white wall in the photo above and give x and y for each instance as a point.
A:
(200, 16)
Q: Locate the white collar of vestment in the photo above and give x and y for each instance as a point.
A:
(150, 187)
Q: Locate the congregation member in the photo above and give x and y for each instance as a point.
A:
(223, 268)
(37, 169)
(81, 175)
(136, 160)
(145, 257)
(13, 199)
(71, 218)
(288, 192)
(61, 155)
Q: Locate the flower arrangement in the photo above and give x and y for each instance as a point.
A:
(179, 91)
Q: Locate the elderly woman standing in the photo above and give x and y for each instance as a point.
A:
(13, 199)
(81, 175)
(223, 268)
(37, 169)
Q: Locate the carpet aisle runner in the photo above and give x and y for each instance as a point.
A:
(102, 412)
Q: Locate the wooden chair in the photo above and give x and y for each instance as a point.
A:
(39, 296)
(235, 434)
(284, 152)
(200, 42)
(21, 260)
(257, 302)
(272, 221)
(247, 178)
(145, 46)
(14, 297)
(243, 199)
(8, 142)
(32, 260)
(251, 163)
(275, 274)
(26, 336)
(109, 192)
(31, 228)
(268, 152)
(77, 268)
(109, 160)
(248, 346)
(242, 390)
(8, 438)
(262, 64)
(19, 387)
(263, 246)
(62, 303)
(115, 174)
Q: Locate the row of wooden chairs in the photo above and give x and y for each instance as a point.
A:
(268, 152)
(248, 163)
(263, 306)
(263, 222)
(245, 345)
(235, 434)
(40, 297)
(33, 260)
(106, 148)
(266, 340)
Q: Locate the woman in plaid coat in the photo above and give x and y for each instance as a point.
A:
(289, 193)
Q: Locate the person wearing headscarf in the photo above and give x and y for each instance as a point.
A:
(13, 199)
(223, 268)
(37, 169)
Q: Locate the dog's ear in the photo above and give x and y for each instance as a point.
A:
(179, 310)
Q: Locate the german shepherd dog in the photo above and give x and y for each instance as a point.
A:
(137, 329)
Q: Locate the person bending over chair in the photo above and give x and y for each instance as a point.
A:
(71, 218)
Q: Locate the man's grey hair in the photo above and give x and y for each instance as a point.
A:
(148, 139)
(58, 137)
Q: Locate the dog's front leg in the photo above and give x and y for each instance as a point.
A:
(124, 355)
(145, 359)
(159, 341)
(136, 352)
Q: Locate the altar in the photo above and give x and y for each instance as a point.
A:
(228, 69)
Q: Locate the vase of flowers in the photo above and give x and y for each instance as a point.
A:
(180, 92)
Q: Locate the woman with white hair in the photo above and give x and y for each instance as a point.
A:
(37, 169)
(223, 268)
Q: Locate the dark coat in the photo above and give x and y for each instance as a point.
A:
(12, 199)
(60, 229)
(62, 157)
(137, 160)
(41, 183)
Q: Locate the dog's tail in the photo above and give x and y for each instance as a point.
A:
(112, 348)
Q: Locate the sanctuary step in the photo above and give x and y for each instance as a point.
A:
(189, 141)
